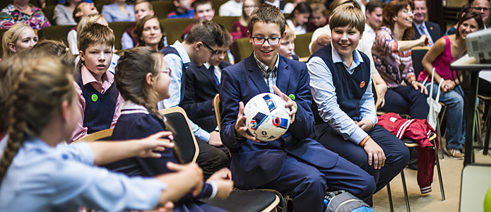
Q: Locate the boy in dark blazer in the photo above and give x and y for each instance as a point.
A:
(202, 83)
(294, 164)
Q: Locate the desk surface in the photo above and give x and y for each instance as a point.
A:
(467, 63)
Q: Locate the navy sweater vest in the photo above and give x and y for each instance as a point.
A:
(171, 50)
(349, 88)
(99, 108)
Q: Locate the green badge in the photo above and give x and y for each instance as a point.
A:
(94, 97)
(292, 97)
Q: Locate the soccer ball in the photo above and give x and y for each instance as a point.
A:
(267, 118)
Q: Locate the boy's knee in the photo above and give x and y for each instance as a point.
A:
(313, 183)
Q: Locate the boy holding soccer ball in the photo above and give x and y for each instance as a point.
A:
(341, 83)
(294, 164)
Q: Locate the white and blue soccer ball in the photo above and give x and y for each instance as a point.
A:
(267, 118)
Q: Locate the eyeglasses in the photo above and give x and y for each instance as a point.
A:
(480, 8)
(213, 51)
(262, 40)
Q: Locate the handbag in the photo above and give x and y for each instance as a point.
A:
(435, 106)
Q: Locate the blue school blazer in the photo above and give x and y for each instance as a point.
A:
(254, 164)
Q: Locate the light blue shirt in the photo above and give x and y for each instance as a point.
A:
(424, 31)
(174, 63)
(62, 178)
(112, 13)
(126, 41)
(324, 94)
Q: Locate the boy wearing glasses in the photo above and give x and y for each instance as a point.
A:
(200, 44)
(202, 83)
(294, 164)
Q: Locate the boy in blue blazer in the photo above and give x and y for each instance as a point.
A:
(294, 164)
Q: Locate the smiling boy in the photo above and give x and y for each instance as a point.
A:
(294, 164)
(342, 90)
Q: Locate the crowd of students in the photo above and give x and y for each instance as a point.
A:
(50, 99)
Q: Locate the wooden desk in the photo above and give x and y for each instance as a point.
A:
(470, 69)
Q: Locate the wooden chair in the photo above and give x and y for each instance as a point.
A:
(118, 29)
(55, 33)
(97, 136)
(186, 145)
(174, 28)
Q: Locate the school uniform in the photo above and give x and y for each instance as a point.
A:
(100, 103)
(201, 87)
(210, 158)
(63, 178)
(136, 123)
(343, 95)
(294, 164)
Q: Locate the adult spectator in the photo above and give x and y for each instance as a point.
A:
(18, 38)
(439, 57)
(142, 9)
(392, 56)
(481, 7)
(231, 8)
(23, 12)
(422, 27)
(118, 11)
(150, 33)
(64, 12)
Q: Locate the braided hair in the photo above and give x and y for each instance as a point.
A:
(43, 83)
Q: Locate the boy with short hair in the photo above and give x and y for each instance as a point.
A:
(342, 90)
(142, 9)
(200, 44)
(183, 9)
(203, 11)
(294, 164)
(202, 83)
(287, 45)
(99, 100)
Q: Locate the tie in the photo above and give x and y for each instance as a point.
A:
(424, 32)
(212, 71)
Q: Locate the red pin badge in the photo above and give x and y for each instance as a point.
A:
(362, 84)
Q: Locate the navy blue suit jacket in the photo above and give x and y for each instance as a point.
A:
(254, 164)
(201, 88)
(433, 29)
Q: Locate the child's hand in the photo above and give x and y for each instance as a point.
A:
(156, 142)
(376, 155)
(365, 125)
(223, 179)
(215, 139)
(194, 173)
(240, 124)
(290, 104)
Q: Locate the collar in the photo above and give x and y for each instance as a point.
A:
(264, 68)
(418, 25)
(368, 29)
(181, 51)
(87, 76)
(130, 107)
(207, 65)
(276, 3)
(336, 58)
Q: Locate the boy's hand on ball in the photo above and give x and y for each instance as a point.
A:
(290, 104)
(240, 125)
